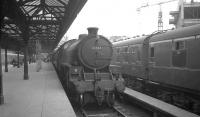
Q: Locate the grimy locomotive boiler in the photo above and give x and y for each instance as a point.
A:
(84, 68)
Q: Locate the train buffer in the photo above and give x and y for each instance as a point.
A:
(156, 106)
(40, 96)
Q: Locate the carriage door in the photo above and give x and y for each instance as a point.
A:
(179, 53)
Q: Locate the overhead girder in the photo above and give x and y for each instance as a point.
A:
(62, 3)
(13, 12)
(37, 22)
(23, 2)
(9, 42)
(14, 28)
(73, 7)
(39, 19)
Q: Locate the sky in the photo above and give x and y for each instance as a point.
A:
(120, 17)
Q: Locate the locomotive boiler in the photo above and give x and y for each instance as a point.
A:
(83, 66)
(165, 65)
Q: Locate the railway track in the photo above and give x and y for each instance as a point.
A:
(121, 111)
(117, 110)
(87, 114)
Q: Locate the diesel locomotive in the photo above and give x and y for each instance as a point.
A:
(83, 67)
(165, 65)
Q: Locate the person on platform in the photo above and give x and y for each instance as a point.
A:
(38, 63)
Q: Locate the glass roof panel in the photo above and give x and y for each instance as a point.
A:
(53, 3)
(35, 2)
(65, 1)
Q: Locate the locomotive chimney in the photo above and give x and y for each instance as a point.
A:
(92, 31)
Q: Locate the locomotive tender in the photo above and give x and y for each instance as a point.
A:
(83, 66)
(167, 65)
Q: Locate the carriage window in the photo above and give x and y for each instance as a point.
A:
(179, 55)
(152, 52)
(125, 49)
(121, 50)
(130, 49)
(138, 55)
(137, 51)
(198, 37)
(117, 50)
(179, 45)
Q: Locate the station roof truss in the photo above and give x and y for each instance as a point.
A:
(44, 20)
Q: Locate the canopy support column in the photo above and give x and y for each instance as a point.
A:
(26, 39)
(18, 59)
(1, 81)
(26, 77)
(6, 60)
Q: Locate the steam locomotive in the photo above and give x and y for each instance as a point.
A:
(165, 65)
(83, 67)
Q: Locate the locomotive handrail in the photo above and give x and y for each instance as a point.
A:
(83, 74)
(103, 58)
(66, 64)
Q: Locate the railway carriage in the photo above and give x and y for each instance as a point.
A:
(167, 65)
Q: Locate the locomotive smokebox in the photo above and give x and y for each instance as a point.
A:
(92, 31)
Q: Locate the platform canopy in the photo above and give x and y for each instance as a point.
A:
(25, 21)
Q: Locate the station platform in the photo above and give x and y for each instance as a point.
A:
(158, 105)
(40, 96)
